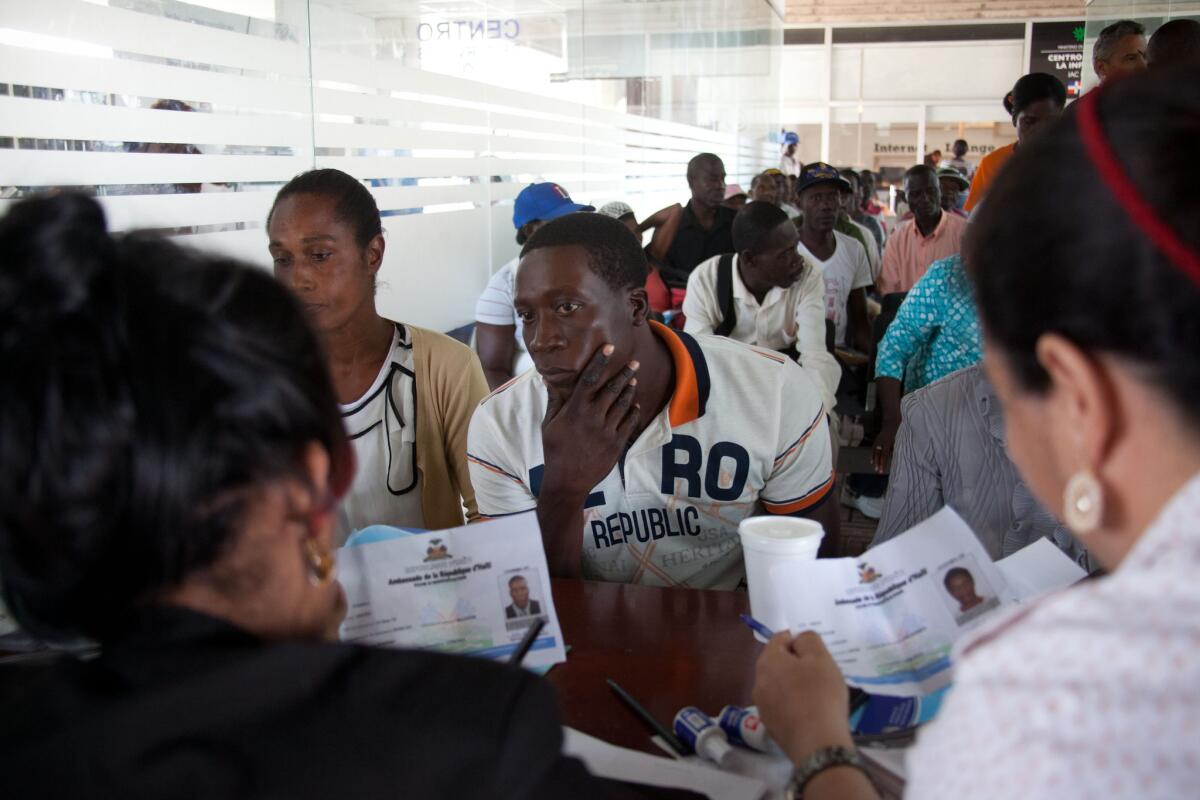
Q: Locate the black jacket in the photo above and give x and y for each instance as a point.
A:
(186, 706)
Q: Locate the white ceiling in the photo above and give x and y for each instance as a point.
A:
(862, 11)
(799, 12)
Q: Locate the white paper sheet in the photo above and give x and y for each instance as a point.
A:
(889, 759)
(618, 763)
(455, 591)
(775, 771)
(1039, 568)
(891, 616)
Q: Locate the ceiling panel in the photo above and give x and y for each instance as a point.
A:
(799, 12)
(860, 11)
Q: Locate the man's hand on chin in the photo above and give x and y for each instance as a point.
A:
(583, 436)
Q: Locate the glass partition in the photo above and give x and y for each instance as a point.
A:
(180, 117)
(445, 109)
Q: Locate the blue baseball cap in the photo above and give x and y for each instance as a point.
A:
(791, 137)
(544, 201)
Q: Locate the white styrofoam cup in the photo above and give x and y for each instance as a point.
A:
(767, 542)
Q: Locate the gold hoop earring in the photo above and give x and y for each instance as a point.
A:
(320, 563)
(1083, 503)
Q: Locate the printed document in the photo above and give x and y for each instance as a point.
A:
(891, 616)
(473, 590)
(618, 763)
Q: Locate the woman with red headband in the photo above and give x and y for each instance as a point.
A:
(1090, 301)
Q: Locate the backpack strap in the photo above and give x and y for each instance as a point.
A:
(725, 296)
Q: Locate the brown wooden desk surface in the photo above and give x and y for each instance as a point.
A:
(669, 648)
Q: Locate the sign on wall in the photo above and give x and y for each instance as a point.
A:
(1057, 48)
(463, 30)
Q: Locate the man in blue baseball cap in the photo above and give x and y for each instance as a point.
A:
(497, 328)
(539, 203)
(788, 163)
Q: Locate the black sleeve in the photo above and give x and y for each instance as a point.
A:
(531, 763)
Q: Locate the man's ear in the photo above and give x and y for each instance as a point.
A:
(745, 259)
(639, 306)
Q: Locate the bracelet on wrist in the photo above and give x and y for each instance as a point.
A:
(818, 762)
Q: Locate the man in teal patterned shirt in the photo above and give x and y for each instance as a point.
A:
(935, 332)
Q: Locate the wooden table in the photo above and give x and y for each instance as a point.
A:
(669, 648)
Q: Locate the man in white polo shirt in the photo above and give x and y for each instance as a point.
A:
(765, 294)
(641, 448)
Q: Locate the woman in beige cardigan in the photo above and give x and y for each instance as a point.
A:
(406, 394)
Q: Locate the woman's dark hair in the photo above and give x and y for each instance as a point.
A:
(1033, 88)
(353, 202)
(1045, 260)
(148, 391)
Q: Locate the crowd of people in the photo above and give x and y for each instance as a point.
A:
(185, 441)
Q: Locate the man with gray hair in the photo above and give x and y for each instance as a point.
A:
(1120, 50)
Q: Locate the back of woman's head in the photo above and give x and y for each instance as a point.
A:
(1053, 251)
(148, 391)
(353, 202)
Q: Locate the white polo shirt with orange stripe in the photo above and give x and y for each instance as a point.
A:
(744, 433)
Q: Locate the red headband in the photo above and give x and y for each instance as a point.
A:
(1127, 196)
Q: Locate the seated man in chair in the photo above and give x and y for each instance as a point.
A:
(641, 448)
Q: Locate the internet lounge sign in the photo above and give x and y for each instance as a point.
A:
(465, 30)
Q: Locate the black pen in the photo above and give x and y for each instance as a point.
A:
(527, 641)
(649, 719)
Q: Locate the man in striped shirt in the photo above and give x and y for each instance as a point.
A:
(641, 448)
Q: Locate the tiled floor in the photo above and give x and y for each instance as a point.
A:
(857, 532)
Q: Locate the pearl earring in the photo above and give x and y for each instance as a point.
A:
(1083, 503)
